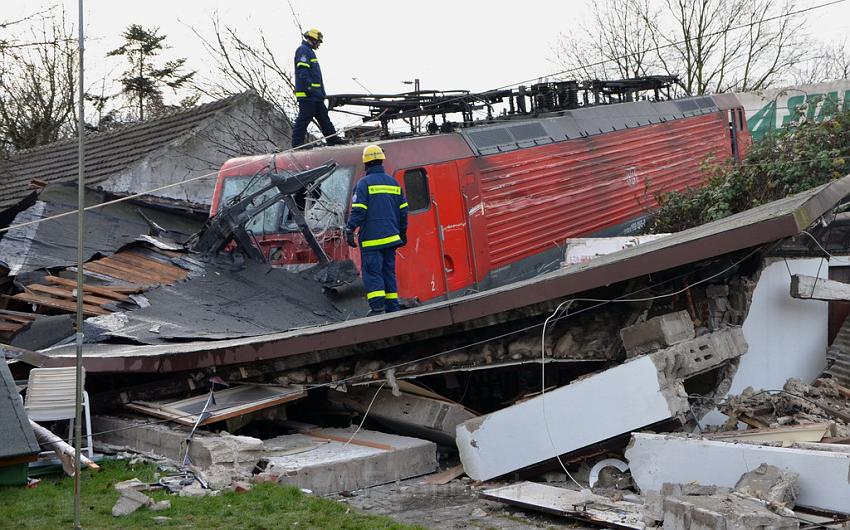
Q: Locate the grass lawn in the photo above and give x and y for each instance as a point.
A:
(50, 505)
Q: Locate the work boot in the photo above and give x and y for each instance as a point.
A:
(373, 312)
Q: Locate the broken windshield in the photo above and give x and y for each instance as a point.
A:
(324, 207)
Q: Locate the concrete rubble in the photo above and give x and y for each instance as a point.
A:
(620, 435)
(418, 415)
(328, 461)
(656, 333)
(638, 393)
(655, 459)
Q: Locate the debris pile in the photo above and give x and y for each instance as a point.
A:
(795, 404)
(615, 397)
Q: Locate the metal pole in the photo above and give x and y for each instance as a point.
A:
(81, 194)
(418, 118)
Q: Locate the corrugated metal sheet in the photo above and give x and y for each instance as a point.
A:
(536, 197)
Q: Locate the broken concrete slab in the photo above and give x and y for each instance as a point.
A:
(130, 501)
(581, 505)
(631, 396)
(160, 505)
(133, 483)
(324, 465)
(222, 457)
(420, 416)
(657, 332)
(655, 459)
(721, 512)
(811, 288)
(770, 484)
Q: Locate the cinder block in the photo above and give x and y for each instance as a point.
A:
(656, 333)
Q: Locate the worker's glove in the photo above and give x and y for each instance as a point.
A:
(349, 238)
(403, 239)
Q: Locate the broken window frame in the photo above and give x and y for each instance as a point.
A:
(333, 197)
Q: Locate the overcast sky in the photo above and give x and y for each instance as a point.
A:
(470, 44)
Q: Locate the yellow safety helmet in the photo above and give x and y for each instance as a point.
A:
(373, 152)
(313, 34)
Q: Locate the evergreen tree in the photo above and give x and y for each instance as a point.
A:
(143, 80)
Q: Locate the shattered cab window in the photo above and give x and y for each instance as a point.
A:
(324, 206)
(268, 221)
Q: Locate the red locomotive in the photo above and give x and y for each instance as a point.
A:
(492, 203)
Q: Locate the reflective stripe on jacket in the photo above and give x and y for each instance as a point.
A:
(379, 209)
(308, 74)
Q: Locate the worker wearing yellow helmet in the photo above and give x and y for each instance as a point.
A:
(310, 91)
(379, 212)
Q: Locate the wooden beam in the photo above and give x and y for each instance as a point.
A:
(352, 441)
(811, 288)
(65, 294)
(64, 305)
(844, 391)
(64, 451)
(115, 292)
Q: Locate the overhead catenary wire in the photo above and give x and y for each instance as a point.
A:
(457, 98)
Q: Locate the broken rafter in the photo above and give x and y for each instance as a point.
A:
(117, 293)
(58, 292)
(88, 310)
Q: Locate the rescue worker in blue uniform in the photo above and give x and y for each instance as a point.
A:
(310, 92)
(379, 211)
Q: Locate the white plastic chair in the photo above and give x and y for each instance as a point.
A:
(51, 396)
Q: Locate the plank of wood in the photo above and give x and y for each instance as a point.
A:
(141, 267)
(18, 319)
(6, 326)
(355, 441)
(811, 432)
(128, 276)
(137, 260)
(755, 423)
(113, 265)
(68, 294)
(445, 476)
(115, 292)
(71, 307)
(844, 391)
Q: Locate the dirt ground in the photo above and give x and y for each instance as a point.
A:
(451, 506)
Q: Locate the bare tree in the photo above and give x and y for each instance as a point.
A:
(239, 65)
(712, 45)
(37, 84)
(829, 62)
(616, 43)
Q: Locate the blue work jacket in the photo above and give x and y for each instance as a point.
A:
(379, 209)
(308, 74)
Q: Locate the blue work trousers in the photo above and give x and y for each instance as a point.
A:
(307, 110)
(378, 268)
